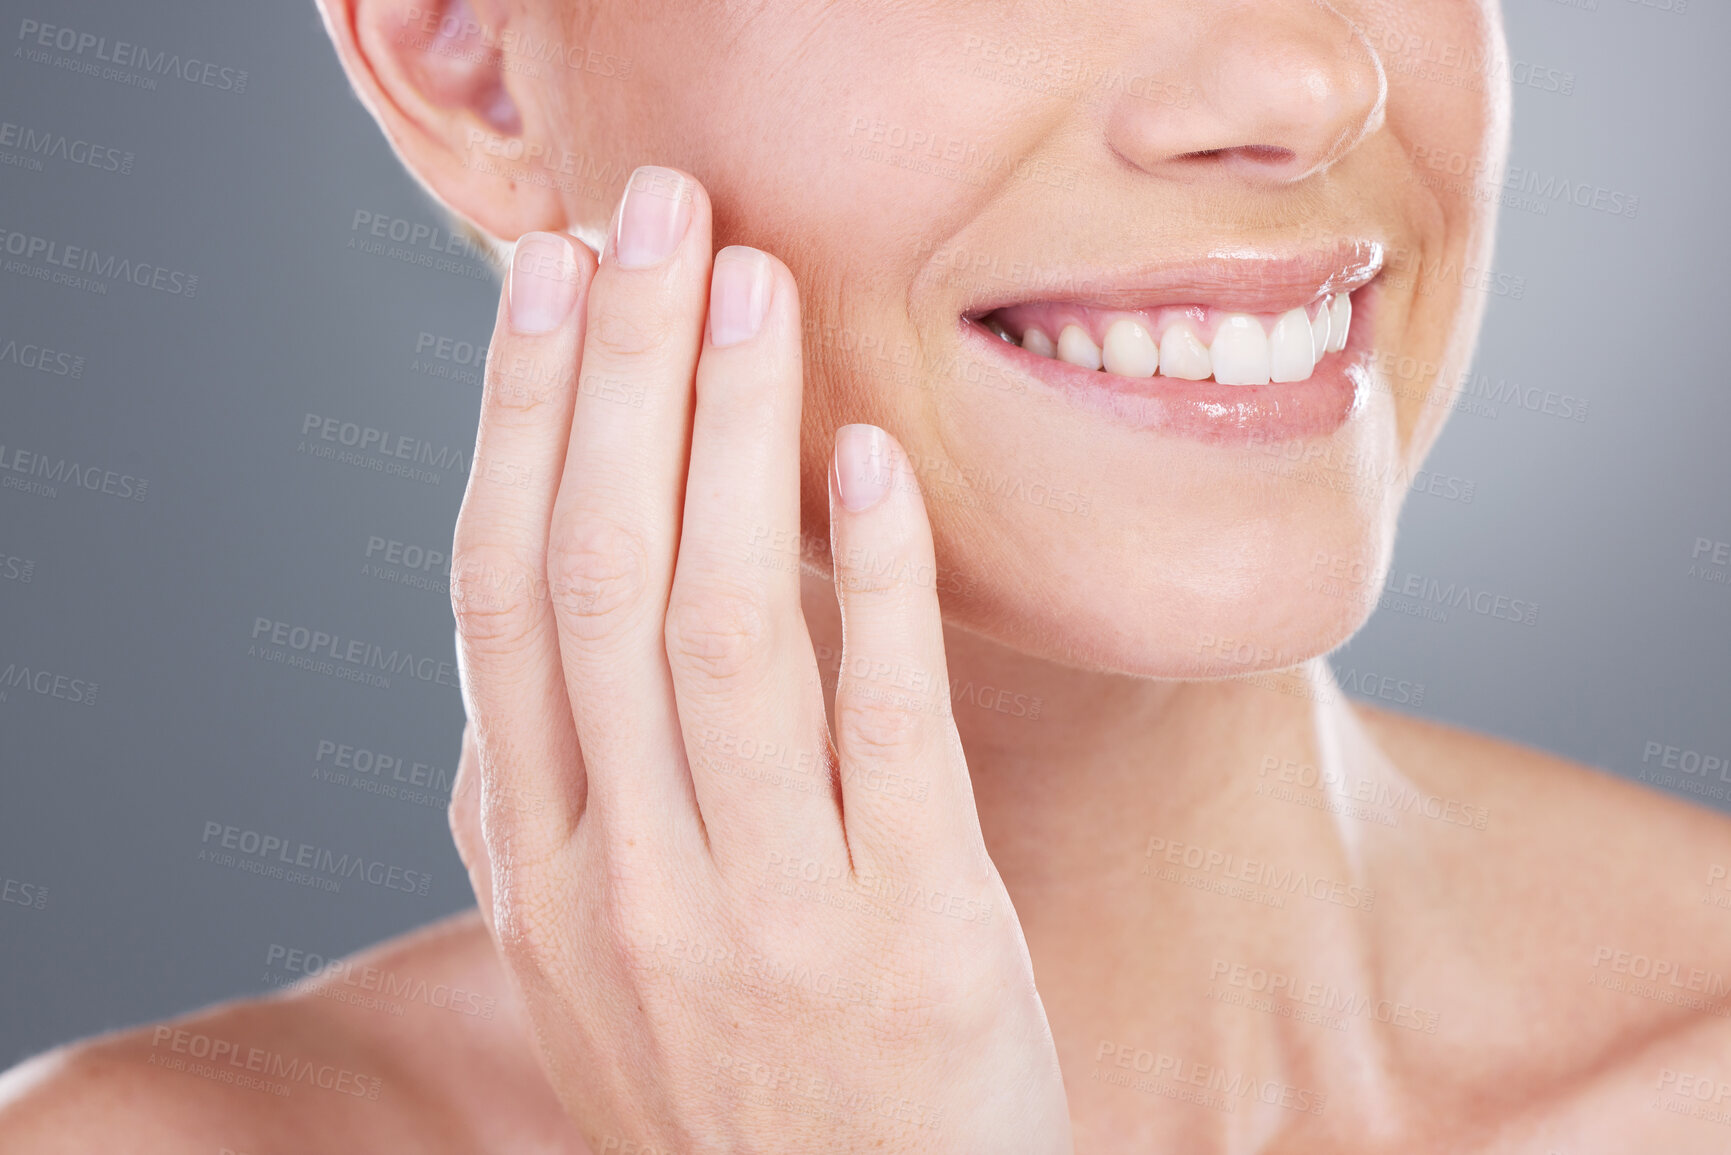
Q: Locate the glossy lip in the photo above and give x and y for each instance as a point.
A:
(1206, 410)
(1242, 281)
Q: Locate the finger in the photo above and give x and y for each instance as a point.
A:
(746, 683)
(616, 519)
(506, 635)
(464, 814)
(905, 788)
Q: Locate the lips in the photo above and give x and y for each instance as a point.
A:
(1237, 344)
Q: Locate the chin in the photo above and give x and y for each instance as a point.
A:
(1240, 579)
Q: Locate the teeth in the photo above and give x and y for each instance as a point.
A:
(1291, 347)
(1183, 355)
(1339, 321)
(1319, 327)
(1243, 353)
(1077, 348)
(1240, 351)
(1129, 350)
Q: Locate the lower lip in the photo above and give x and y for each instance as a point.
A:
(1207, 410)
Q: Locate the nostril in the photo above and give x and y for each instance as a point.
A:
(1270, 155)
(1267, 154)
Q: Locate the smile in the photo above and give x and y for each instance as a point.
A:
(1235, 344)
(1187, 343)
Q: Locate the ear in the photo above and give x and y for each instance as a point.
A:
(432, 74)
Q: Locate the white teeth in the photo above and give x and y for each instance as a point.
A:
(1319, 327)
(1077, 348)
(1129, 350)
(1339, 321)
(1243, 353)
(1291, 348)
(1183, 355)
(1240, 351)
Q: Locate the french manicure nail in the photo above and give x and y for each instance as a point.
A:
(862, 466)
(543, 282)
(739, 295)
(653, 217)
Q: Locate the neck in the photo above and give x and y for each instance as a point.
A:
(1169, 845)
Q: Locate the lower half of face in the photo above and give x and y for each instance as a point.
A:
(1165, 300)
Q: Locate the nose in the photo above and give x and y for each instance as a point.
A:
(1272, 91)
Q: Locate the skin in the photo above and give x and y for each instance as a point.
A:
(1171, 636)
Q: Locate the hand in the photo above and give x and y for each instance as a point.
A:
(730, 933)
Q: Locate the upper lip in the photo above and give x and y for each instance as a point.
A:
(1241, 281)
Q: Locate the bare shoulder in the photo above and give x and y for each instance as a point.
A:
(1578, 936)
(414, 1044)
(1556, 805)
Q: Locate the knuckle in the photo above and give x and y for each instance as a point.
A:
(620, 335)
(876, 726)
(496, 594)
(876, 572)
(529, 931)
(720, 633)
(596, 570)
(521, 386)
(914, 1011)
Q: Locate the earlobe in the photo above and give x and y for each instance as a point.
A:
(434, 74)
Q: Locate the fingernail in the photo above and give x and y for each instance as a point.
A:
(862, 466)
(543, 282)
(652, 217)
(739, 295)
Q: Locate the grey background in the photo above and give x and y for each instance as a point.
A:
(256, 192)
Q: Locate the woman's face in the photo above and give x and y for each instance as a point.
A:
(1175, 173)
